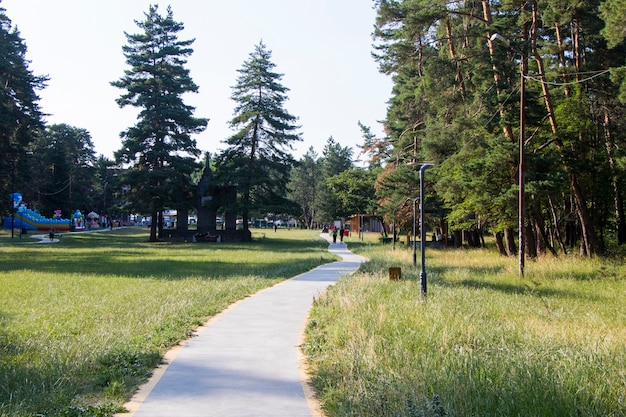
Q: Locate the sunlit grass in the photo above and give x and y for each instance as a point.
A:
(485, 342)
(83, 322)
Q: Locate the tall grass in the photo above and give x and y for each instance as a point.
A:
(484, 342)
(84, 322)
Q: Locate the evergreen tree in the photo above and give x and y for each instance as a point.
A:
(355, 192)
(20, 115)
(376, 149)
(613, 12)
(159, 147)
(456, 102)
(106, 188)
(335, 160)
(257, 158)
(65, 164)
(304, 185)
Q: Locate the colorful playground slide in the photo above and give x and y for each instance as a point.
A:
(26, 218)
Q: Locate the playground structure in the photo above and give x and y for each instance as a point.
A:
(25, 218)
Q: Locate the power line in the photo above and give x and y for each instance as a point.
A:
(554, 83)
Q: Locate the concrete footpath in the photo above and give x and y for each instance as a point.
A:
(245, 361)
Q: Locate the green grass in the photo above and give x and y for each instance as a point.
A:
(83, 322)
(485, 342)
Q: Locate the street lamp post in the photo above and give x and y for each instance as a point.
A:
(522, 123)
(415, 231)
(12, 199)
(422, 232)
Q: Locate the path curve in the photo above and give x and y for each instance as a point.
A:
(244, 362)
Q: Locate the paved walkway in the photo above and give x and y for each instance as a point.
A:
(246, 361)
(42, 239)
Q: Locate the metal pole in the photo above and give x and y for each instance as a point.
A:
(414, 232)
(522, 117)
(12, 199)
(422, 232)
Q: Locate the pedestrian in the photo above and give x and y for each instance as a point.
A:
(341, 233)
(334, 235)
(51, 234)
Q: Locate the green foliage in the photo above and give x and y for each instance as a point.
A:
(456, 102)
(20, 115)
(354, 191)
(91, 411)
(305, 184)
(65, 163)
(159, 148)
(335, 159)
(258, 158)
(613, 12)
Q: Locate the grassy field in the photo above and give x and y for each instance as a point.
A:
(84, 321)
(484, 342)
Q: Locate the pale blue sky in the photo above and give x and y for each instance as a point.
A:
(323, 48)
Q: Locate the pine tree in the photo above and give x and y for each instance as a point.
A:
(456, 102)
(304, 186)
(20, 115)
(257, 159)
(335, 160)
(159, 146)
(66, 165)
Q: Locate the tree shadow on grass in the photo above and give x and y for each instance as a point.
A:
(519, 287)
(170, 269)
(129, 255)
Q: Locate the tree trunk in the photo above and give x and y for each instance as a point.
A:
(458, 239)
(542, 242)
(620, 217)
(160, 225)
(473, 238)
(557, 229)
(590, 238)
(506, 127)
(562, 63)
(509, 239)
(459, 75)
(530, 240)
(499, 236)
(182, 219)
(592, 243)
(153, 227)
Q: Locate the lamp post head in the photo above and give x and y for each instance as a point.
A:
(496, 37)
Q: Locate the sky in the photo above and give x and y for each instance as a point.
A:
(322, 47)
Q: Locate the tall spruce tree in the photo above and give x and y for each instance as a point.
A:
(258, 158)
(159, 147)
(20, 115)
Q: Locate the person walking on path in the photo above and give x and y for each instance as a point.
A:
(334, 234)
(245, 361)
